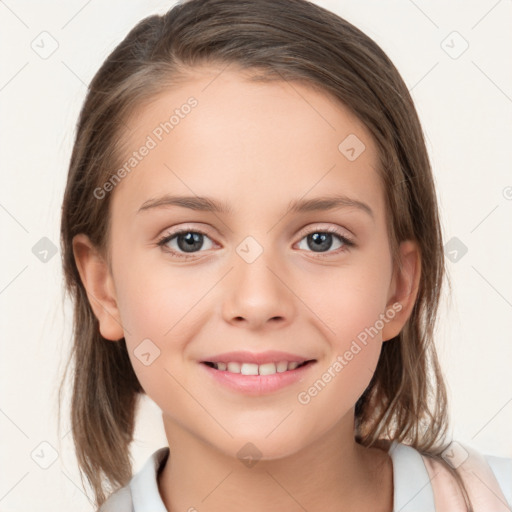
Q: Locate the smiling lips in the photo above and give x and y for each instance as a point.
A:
(257, 374)
(255, 369)
(264, 363)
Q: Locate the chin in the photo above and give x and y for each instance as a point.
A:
(254, 448)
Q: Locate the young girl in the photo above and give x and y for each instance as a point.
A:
(250, 235)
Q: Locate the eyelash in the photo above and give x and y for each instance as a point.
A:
(347, 243)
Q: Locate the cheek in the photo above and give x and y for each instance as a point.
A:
(159, 314)
(155, 300)
(354, 350)
(350, 313)
(350, 299)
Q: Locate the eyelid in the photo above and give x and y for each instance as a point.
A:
(302, 233)
(338, 230)
(167, 237)
(171, 232)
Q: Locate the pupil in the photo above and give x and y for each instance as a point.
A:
(189, 240)
(321, 240)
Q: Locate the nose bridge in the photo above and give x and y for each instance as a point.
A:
(256, 292)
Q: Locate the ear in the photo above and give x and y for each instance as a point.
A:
(403, 289)
(99, 284)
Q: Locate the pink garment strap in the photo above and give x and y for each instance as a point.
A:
(481, 484)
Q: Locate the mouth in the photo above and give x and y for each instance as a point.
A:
(270, 368)
(257, 379)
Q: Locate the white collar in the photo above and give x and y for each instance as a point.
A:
(412, 491)
(144, 484)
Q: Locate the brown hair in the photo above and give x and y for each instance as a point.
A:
(282, 40)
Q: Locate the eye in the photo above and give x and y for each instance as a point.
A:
(189, 241)
(321, 241)
(184, 241)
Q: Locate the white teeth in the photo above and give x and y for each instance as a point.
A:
(282, 366)
(234, 367)
(254, 369)
(249, 369)
(267, 369)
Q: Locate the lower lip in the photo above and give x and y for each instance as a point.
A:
(258, 384)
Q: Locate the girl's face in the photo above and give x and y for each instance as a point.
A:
(285, 248)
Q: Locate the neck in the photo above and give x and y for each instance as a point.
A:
(333, 474)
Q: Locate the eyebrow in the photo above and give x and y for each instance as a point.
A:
(208, 204)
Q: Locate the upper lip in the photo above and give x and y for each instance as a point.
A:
(271, 356)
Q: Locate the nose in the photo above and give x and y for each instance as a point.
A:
(258, 293)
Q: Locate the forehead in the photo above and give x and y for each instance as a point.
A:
(220, 134)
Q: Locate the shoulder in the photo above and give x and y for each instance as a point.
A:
(487, 479)
(423, 483)
(502, 470)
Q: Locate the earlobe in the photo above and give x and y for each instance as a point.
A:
(403, 289)
(99, 285)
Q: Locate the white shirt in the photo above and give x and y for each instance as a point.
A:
(412, 485)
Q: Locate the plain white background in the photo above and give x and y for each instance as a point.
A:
(464, 99)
